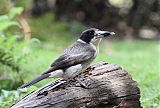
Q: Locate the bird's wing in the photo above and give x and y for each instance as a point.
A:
(72, 60)
(69, 60)
(75, 54)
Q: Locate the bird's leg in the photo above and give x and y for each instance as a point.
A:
(81, 83)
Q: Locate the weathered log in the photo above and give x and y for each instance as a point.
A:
(109, 86)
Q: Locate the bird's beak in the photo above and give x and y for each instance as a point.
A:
(101, 34)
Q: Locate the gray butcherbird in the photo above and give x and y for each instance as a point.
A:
(75, 58)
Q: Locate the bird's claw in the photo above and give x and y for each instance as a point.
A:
(82, 84)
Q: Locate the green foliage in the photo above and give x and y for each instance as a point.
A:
(6, 56)
(12, 52)
(5, 22)
(7, 97)
(4, 6)
(14, 11)
(8, 46)
(48, 29)
(7, 41)
(10, 96)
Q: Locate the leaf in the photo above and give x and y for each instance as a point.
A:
(2, 38)
(5, 23)
(34, 43)
(10, 41)
(4, 17)
(15, 11)
(6, 58)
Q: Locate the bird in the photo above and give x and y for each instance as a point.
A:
(76, 58)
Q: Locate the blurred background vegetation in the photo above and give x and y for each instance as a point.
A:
(34, 32)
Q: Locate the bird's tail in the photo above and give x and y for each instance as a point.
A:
(39, 78)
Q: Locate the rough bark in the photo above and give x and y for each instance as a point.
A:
(109, 86)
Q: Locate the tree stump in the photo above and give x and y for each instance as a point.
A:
(109, 86)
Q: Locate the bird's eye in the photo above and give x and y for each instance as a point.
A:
(91, 32)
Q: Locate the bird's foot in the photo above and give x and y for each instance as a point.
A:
(82, 84)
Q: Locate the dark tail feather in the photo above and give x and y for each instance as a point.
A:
(39, 78)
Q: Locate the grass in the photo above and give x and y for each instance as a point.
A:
(140, 58)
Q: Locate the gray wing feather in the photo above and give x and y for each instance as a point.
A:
(75, 54)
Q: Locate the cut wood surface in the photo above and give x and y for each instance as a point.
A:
(109, 86)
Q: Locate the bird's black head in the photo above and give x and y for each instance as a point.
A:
(88, 35)
(93, 33)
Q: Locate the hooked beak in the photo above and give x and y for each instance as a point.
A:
(101, 34)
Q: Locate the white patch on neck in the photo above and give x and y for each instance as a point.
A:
(96, 53)
(79, 40)
(95, 45)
